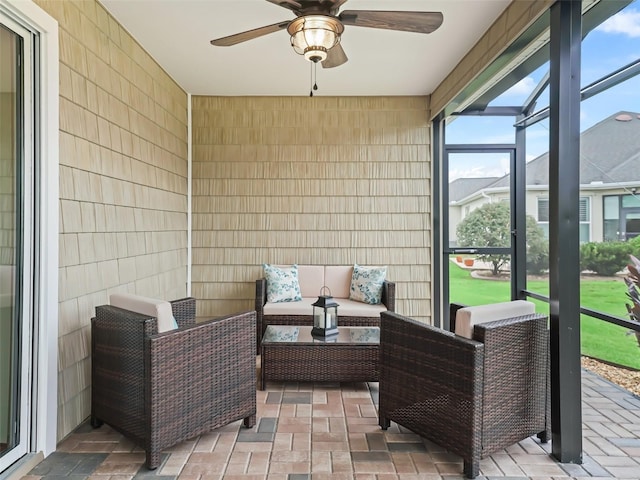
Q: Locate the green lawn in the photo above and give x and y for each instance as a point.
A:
(599, 339)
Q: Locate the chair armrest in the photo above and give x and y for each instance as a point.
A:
(117, 366)
(184, 311)
(261, 299)
(261, 294)
(406, 344)
(512, 344)
(389, 295)
(453, 309)
(516, 368)
(429, 379)
(214, 361)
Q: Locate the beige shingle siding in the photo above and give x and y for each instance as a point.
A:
(123, 184)
(323, 180)
(7, 182)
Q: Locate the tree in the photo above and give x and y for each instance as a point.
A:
(490, 226)
(537, 248)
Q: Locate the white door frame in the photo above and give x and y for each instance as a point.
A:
(44, 408)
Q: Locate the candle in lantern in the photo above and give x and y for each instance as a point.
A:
(325, 316)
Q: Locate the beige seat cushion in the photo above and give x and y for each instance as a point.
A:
(302, 307)
(346, 308)
(467, 317)
(353, 308)
(147, 306)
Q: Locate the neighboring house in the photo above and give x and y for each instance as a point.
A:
(466, 194)
(609, 179)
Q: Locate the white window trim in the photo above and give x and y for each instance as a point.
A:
(588, 222)
(44, 436)
(582, 222)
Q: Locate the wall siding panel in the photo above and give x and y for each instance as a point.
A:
(123, 184)
(321, 180)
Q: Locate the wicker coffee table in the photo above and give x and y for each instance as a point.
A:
(291, 353)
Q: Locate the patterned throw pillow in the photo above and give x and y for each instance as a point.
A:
(366, 284)
(282, 283)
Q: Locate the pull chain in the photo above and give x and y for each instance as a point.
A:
(314, 76)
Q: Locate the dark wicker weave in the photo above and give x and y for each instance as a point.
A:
(161, 389)
(388, 299)
(473, 397)
(320, 362)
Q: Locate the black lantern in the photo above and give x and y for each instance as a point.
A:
(325, 315)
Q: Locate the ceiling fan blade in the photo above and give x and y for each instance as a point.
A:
(288, 4)
(249, 34)
(335, 57)
(419, 22)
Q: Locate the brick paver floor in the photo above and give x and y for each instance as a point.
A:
(330, 431)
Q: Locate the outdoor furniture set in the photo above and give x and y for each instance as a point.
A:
(339, 279)
(474, 390)
(285, 299)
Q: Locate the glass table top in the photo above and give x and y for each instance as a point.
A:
(298, 334)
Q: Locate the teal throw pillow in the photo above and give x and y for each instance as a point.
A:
(282, 283)
(366, 284)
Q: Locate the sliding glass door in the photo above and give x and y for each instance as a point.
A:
(16, 179)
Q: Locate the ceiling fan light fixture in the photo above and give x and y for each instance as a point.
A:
(313, 35)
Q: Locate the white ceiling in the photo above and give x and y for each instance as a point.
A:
(381, 62)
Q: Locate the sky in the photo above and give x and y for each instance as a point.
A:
(612, 45)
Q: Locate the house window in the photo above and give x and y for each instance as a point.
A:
(621, 218)
(611, 220)
(585, 217)
(543, 210)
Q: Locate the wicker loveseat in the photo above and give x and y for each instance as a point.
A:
(311, 280)
(471, 396)
(159, 389)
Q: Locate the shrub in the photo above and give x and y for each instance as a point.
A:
(490, 226)
(635, 243)
(604, 258)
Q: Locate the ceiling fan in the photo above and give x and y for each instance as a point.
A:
(316, 30)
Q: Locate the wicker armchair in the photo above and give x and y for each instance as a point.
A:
(159, 389)
(473, 397)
